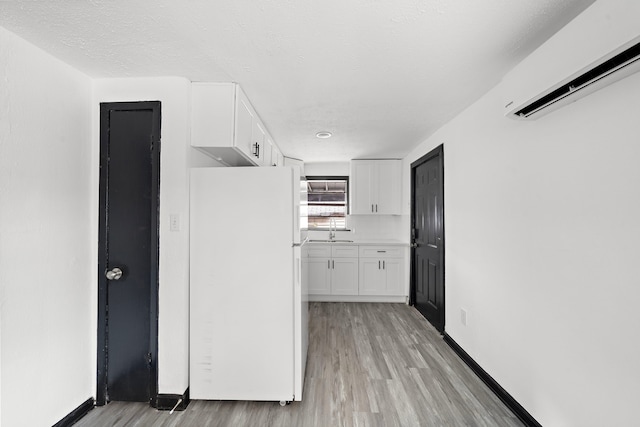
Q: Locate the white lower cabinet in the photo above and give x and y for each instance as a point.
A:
(333, 270)
(339, 272)
(319, 276)
(344, 276)
(381, 270)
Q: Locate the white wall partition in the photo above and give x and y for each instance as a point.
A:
(542, 235)
(176, 155)
(47, 272)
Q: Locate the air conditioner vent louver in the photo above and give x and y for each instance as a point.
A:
(621, 61)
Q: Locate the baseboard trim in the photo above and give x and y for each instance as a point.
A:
(502, 394)
(167, 402)
(358, 298)
(75, 415)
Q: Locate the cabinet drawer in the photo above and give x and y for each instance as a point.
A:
(341, 251)
(381, 251)
(319, 251)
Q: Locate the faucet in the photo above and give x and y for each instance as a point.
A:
(332, 228)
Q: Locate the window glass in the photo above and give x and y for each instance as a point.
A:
(328, 199)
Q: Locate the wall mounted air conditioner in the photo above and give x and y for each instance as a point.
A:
(597, 48)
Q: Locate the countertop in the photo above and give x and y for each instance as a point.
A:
(359, 242)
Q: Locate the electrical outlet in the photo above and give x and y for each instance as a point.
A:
(174, 222)
(463, 316)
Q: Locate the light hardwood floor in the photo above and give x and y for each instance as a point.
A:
(369, 365)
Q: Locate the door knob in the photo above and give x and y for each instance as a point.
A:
(113, 274)
(414, 245)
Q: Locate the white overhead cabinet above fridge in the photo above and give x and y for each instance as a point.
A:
(226, 127)
(249, 306)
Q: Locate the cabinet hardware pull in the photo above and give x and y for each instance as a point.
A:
(328, 263)
(382, 252)
(333, 265)
(371, 207)
(376, 207)
(383, 265)
(378, 264)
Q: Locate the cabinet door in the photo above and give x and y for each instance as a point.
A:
(244, 125)
(319, 276)
(258, 146)
(212, 114)
(275, 156)
(362, 187)
(344, 276)
(389, 194)
(268, 151)
(393, 270)
(372, 281)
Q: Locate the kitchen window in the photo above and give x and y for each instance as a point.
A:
(328, 200)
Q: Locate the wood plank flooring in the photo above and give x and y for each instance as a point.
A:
(369, 365)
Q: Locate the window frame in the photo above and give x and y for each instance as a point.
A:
(347, 209)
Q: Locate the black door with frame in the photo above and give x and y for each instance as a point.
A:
(427, 253)
(128, 251)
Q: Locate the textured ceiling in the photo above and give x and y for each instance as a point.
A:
(381, 75)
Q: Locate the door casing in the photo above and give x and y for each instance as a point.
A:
(155, 107)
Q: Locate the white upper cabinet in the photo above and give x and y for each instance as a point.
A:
(258, 143)
(225, 126)
(244, 119)
(277, 159)
(375, 187)
(270, 153)
(361, 187)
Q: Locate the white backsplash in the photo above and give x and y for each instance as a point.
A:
(370, 227)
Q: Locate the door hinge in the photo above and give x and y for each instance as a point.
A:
(149, 359)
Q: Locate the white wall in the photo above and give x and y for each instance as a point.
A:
(176, 156)
(326, 169)
(542, 230)
(47, 272)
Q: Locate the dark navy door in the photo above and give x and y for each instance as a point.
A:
(128, 264)
(428, 237)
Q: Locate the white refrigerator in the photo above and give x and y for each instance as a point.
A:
(248, 302)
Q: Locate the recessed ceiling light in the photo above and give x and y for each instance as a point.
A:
(323, 135)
